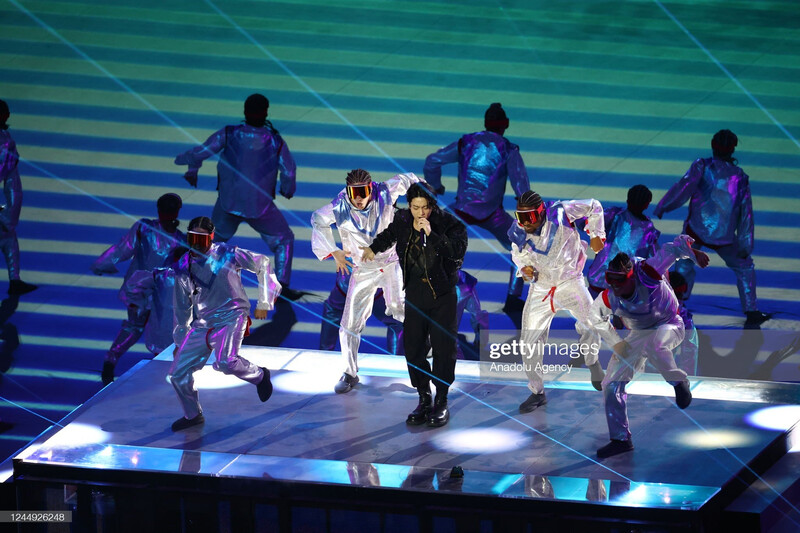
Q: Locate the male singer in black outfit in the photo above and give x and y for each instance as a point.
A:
(431, 246)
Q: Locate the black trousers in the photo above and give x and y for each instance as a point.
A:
(426, 316)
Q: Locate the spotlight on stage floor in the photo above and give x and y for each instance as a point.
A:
(712, 439)
(76, 435)
(207, 378)
(305, 382)
(481, 440)
(779, 418)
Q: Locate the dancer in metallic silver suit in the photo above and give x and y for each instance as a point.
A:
(720, 217)
(212, 313)
(641, 296)
(247, 173)
(550, 255)
(628, 230)
(11, 207)
(486, 160)
(333, 309)
(149, 244)
(361, 211)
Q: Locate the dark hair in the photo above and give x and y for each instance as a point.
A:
(529, 199)
(255, 110)
(4, 112)
(169, 203)
(495, 119)
(723, 144)
(639, 197)
(422, 189)
(358, 175)
(202, 222)
(621, 263)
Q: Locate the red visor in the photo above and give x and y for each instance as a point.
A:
(199, 241)
(529, 216)
(618, 278)
(362, 190)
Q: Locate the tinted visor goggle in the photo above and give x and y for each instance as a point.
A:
(199, 241)
(618, 278)
(529, 216)
(362, 190)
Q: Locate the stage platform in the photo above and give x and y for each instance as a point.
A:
(312, 460)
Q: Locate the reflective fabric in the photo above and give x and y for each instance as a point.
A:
(626, 233)
(485, 161)
(274, 231)
(225, 340)
(653, 302)
(557, 254)
(154, 291)
(652, 345)
(146, 244)
(129, 333)
(364, 283)
(743, 268)
(467, 295)
(333, 309)
(540, 308)
(209, 292)
(720, 204)
(556, 250)
(248, 167)
(356, 227)
(656, 329)
(12, 203)
(686, 353)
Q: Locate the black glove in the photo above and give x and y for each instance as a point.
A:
(191, 178)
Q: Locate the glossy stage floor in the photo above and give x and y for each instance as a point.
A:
(311, 460)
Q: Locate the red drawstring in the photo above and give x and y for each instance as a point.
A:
(550, 295)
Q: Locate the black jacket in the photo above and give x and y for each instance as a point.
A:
(444, 252)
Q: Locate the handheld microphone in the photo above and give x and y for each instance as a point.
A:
(422, 237)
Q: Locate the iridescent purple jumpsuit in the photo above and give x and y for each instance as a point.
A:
(148, 246)
(154, 290)
(247, 175)
(212, 313)
(625, 232)
(720, 217)
(12, 203)
(486, 160)
(651, 315)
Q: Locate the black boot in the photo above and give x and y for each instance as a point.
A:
(107, 375)
(439, 414)
(420, 415)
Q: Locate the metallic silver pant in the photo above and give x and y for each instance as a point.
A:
(364, 282)
(537, 315)
(652, 345)
(225, 341)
